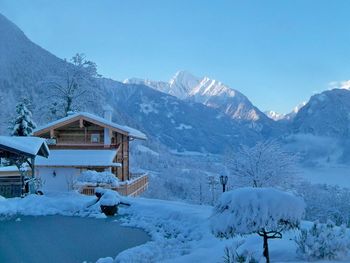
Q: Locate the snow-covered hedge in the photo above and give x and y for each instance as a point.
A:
(96, 178)
(323, 241)
(248, 210)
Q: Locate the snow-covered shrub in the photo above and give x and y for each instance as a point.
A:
(265, 211)
(265, 164)
(326, 202)
(109, 197)
(232, 255)
(248, 210)
(97, 178)
(323, 241)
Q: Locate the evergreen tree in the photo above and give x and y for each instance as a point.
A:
(23, 125)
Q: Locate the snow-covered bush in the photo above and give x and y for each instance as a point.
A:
(233, 255)
(265, 211)
(98, 178)
(326, 202)
(323, 241)
(108, 197)
(265, 164)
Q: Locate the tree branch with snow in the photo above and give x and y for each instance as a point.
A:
(265, 164)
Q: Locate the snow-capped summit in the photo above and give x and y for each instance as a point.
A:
(275, 115)
(209, 92)
(281, 116)
(182, 84)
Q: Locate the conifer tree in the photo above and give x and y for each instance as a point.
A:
(23, 125)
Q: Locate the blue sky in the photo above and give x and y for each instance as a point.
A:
(278, 53)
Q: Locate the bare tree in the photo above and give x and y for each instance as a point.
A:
(264, 165)
(75, 87)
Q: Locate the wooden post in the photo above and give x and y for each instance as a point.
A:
(52, 133)
(33, 167)
(125, 158)
(81, 123)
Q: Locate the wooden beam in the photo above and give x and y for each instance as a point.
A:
(58, 125)
(81, 123)
(77, 118)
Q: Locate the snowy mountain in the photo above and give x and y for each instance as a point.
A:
(178, 124)
(23, 65)
(284, 117)
(326, 114)
(185, 114)
(214, 94)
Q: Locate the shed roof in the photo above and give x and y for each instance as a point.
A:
(102, 121)
(24, 145)
(79, 158)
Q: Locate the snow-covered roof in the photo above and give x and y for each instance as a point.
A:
(129, 131)
(79, 158)
(27, 145)
(11, 168)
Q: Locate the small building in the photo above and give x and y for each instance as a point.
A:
(83, 141)
(21, 152)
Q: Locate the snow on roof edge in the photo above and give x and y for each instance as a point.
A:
(29, 145)
(131, 131)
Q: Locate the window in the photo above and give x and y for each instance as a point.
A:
(95, 138)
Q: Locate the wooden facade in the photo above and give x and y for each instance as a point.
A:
(84, 133)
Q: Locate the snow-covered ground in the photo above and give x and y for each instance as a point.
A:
(180, 232)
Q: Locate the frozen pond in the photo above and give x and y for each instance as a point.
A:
(65, 239)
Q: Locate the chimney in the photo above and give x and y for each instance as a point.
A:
(107, 114)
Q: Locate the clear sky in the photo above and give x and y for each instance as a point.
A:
(278, 53)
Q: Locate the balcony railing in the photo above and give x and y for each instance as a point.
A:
(133, 187)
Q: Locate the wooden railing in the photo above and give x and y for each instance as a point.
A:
(134, 187)
(67, 145)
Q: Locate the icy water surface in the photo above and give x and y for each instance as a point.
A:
(52, 239)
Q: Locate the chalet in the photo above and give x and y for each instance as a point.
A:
(83, 141)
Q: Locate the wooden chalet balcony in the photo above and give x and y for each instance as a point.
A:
(133, 187)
